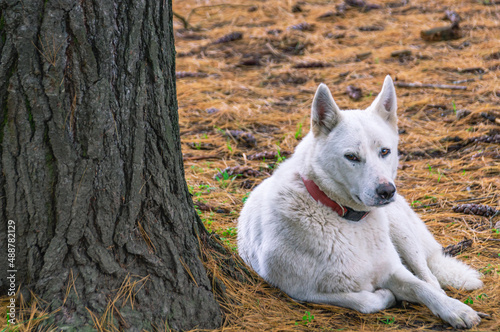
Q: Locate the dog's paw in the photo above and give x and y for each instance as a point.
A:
(460, 315)
(379, 300)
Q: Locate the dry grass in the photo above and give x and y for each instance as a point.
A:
(272, 101)
(29, 314)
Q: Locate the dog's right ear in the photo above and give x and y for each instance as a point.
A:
(325, 114)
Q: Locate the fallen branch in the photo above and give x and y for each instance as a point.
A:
(433, 86)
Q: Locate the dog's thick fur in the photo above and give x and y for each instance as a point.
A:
(311, 253)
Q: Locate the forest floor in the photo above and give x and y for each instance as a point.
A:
(246, 75)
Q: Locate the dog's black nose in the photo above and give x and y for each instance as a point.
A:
(386, 190)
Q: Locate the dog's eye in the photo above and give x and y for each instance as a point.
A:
(351, 157)
(384, 152)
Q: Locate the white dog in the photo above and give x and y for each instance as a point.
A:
(328, 226)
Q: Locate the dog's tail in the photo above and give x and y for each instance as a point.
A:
(451, 272)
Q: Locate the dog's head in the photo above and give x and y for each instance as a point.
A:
(355, 151)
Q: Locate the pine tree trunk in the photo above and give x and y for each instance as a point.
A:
(91, 164)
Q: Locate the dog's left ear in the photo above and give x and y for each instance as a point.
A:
(325, 114)
(386, 103)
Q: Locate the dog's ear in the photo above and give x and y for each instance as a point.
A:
(386, 103)
(325, 114)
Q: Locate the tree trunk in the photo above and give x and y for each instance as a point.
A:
(91, 164)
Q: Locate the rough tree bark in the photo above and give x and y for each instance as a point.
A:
(91, 164)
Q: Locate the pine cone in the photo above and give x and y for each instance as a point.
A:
(477, 209)
(455, 249)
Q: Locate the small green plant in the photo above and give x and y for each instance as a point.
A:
(197, 169)
(481, 296)
(298, 132)
(244, 199)
(225, 179)
(414, 203)
(454, 107)
(206, 221)
(228, 146)
(306, 319)
(438, 172)
(229, 232)
(228, 244)
(219, 130)
(206, 187)
(469, 300)
(281, 157)
(387, 320)
(490, 269)
(496, 231)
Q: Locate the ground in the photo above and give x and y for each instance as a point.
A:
(246, 76)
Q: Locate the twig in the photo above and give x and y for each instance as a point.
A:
(184, 21)
(464, 81)
(492, 239)
(201, 157)
(433, 86)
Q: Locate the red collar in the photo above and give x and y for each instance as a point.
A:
(320, 196)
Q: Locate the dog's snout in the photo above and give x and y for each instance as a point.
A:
(386, 190)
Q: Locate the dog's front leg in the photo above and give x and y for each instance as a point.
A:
(408, 287)
(364, 301)
(410, 249)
